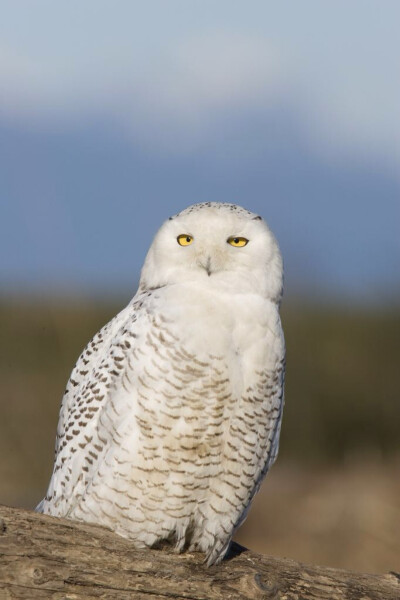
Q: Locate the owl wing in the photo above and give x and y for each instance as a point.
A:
(84, 430)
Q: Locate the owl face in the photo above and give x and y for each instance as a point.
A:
(222, 246)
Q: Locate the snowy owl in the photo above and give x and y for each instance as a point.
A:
(171, 417)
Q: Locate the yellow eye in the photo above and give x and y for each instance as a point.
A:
(238, 242)
(184, 239)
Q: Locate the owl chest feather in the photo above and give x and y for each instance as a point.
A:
(201, 332)
(199, 353)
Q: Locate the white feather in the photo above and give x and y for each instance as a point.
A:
(171, 417)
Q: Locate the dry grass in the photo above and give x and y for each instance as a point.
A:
(345, 516)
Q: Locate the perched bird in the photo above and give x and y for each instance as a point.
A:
(171, 417)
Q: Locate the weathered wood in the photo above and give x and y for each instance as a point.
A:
(50, 558)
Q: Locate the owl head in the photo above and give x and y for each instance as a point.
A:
(223, 246)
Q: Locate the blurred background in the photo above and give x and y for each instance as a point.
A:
(113, 116)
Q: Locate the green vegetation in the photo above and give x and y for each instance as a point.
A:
(342, 391)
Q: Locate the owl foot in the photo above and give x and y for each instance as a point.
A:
(180, 545)
(218, 551)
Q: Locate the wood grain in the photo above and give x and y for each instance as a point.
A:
(50, 558)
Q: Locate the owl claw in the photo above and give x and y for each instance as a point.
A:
(180, 546)
(217, 553)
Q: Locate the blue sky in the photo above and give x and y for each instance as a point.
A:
(114, 115)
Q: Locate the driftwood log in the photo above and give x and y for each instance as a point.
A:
(45, 557)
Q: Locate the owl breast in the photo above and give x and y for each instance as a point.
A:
(198, 421)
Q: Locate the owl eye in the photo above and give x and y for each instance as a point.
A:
(238, 242)
(184, 239)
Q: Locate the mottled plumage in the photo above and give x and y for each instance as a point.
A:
(172, 414)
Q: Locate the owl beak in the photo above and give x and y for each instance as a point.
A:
(206, 265)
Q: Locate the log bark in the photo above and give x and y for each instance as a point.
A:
(50, 558)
